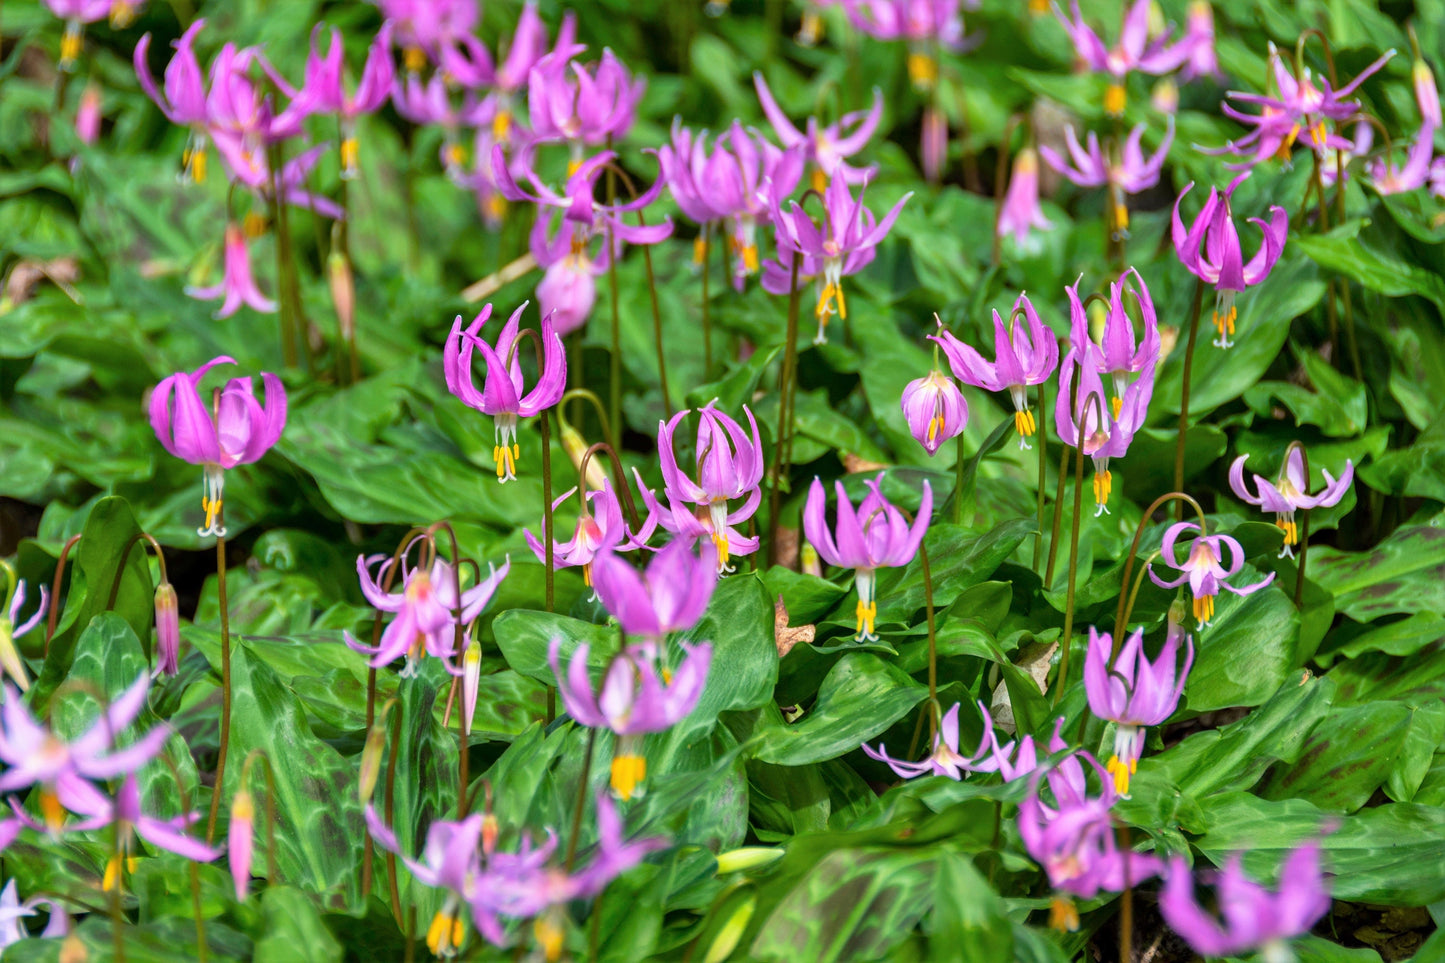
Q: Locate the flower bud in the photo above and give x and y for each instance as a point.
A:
(471, 681)
(238, 840)
(87, 116)
(343, 293)
(748, 857)
(371, 759)
(935, 410)
(1426, 94)
(168, 630)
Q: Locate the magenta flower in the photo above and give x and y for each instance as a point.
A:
(1023, 356)
(1211, 252)
(125, 815)
(669, 597)
(845, 245)
(1094, 425)
(1117, 355)
(11, 628)
(1289, 493)
(1199, 38)
(168, 630)
(595, 533)
(926, 25)
(568, 288)
(184, 102)
(451, 860)
(1020, 211)
(1387, 177)
(425, 610)
(429, 26)
(252, 169)
(683, 520)
(1134, 51)
(325, 87)
(729, 466)
(825, 148)
(935, 410)
(237, 285)
(528, 47)
(1253, 917)
(945, 759)
(632, 702)
(585, 108)
(1427, 95)
(933, 144)
(1131, 173)
(502, 393)
(432, 104)
(1202, 569)
(577, 196)
(1133, 693)
(874, 536)
(238, 432)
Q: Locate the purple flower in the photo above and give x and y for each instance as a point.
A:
(633, 701)
(568, 288)
(1130, 174)
(924, 24)
(1023, 357)
(1134, 50)
(1133, 692)
(240, 835)
(11, 628)
(845, 245)
(729, 466)
(451, 860)
(1202, 569)
(670, 597)
(238, 432)
(1253, 917)
(577, 196)
(1088, 421)
(1427, 95)
(237, 285)
(184, 102)
(1020, 211)
(1289, 493)
(325, 88)
(935, 410)
(502, 394)
(825, 147)
(429, 26)
(1199, 38)
(125, 814)
(1387, 177)
(689, 524)
(874, 536)
(1211, 252)
(567, 102)
(1117, 355)
(613, 856)
(945, 759)
(425, 610)
(594, 534)
(168, 630)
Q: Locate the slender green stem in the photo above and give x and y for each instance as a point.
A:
(706, 271)
(201, 949)
(225, 683)
(785, 388)
(1057, 526)
(283, 260)
(960, 468)
(390, 804)
(1184, 388)
(1126, 903)
(1304, 529)
(1043, 434)
(656, 321)
(581, 804)
(1067, 638)
(547, 535)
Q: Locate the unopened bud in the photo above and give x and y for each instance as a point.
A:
(471, 682)
(371, 759)
(168, 630)
(238, 841)
(748, 857)
(732, 930)
(343, 292)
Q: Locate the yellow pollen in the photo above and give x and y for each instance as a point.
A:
(720, 539)
(922, 70)
(1282, 153)
(820, 180)
(456, 155)
(1203, 608)
(1024, 422)
(496, 207)
(573, 165)
(549, 937)
(51, 810)
(1290, 529)
(1121, 772)
(193, 164)
(1317, 133)
(1114, 100)
(1121, 219)
(935, 427)
(1224, 324)
(1063, 915)
(811, 28)
(212, 508)
(1037, 8)
(122, 12)
(502, 126)
(112, 878)
(1118, 406)
(350, 150)
(749, 254)
(699, 250)
(587, 574)
(628, 772)
(867, 614)
(70, 45)
(506, 459)
(414, 58)
(1103, 485)
(445, 934)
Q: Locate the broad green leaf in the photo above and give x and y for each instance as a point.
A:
(1348, 755)
(293, 929)
(1402, 574)
(1248, 650)
(968, 917)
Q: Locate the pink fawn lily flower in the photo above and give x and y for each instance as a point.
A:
(184, 103)
(1131, 173)
(1199, 38)
(1253, 917)
(935, 410)
(595, 533)
(240, 835)
(1024, 356)
(632, 702)
(925, 24)
(1020, 211)
(11, 628)
(577, 196)
(502, 393)
(237, 285)
(168, 630)
(845, 245)
(583, 109)
(1133, 693)
(945, 759)
(729, 466)
(426, 611)
(451, 860)
(1210, 251)
(237, 432)
(933, 144)
(692, 523)
(1088, 421)
(432, 103)
(1203, 569)
(568, 288)
(1117, 356)
(1289, 493)
(825, 148)
(125, 814)
(325, 87)
(685, 164)
(669, 597)
(252, 169)
(528, 47)
(874, 536)
(36, 756)
(1134, 50)
(1427, 95)
(76, 14)
(1387, 177)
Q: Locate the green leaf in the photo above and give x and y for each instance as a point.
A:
(1363, 262)
(1348, 755)
(1401, 574)
(957, 561)
(1248, 650)
(293, 929)
(1427, 731)
(968, 918)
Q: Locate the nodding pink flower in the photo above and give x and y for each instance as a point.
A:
(76, 14)
(874, 536)
(945, 759)
(1089, 422)
(1018, 758)
(729, 466)
(428, 26)
(451, 860)
(1023, 356)
(669, 597)
(1020, 211)
(11, 628)
(633, 700)
(1134, 51)
(1199, 38)
(88, 115)
(825, 148)
(925, 24)
(1290, 493)
(124, 813)
(568, 102)
(237, 432)
(1134, 693)
(1387, 177)
(236, 110)
(237, 285)
(935, 410)
(577, 196)
(184, 103)
(1129, 173)
(595, 533)
(36, 756)
(691, 523)
(502, 393)
(252, 169)
(168, 630)
(325, 87)
(425, 608)
(1203, 569)
(1210, 250)
(1116, 355)
(1253, 917)
(845, 245)
(568, 288)
(1427, 95)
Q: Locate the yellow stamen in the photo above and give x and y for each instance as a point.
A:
(1118, 406)
(1063, 915)
(502, 126)
(1290, 529)
(935, 427)
(820, 180)
(1037, 8)
(70, 44)
(573, 165)
(587, 574)
(456, 155)
(212, 508)
(193, 164)
(549, 937)
(922, 70)
(1203, 608)
(810, 29)
(1024, 422)
(699, 250)
(496, 206)
(1103, 485)
(1317, 133)
(867, 615)
(628, 772)
(720, 539)
(122, 12)
(1286, 145)
(112, 878)
(1224, 324)
(445, 934)
(825, 301)
(750, 260)
(1121, 773)
(350, 150)
(253, 225)
(1114, 100)
(414, 58)
(1121, 219)
(51, 810)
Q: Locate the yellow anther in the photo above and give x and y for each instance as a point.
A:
(1103, 485)
(1290, 529)
(1114, 100)
(1203, 608)
(253, 225)
(1118, 406)
(212, 508)
(628, 772)
(922, 70)
(573, 165)
(825, 301)
(122, 12)
(1121, 219)
(506, 458)
(193, 164)
(720, 539)
(1121, 772)
(70, 45)
(549, 937)
(496, 207)
(350, 151)
(867, 615)
(414, 58)
(750, 261)
(1037, 8)
(935, 427)
(1063, 915)
(810, 29)
(112, 878)
(820, 180)
(445, 934)
(502, 126)
(1024, 422)
(456, 155)
(1224, 323)
(699, 250)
